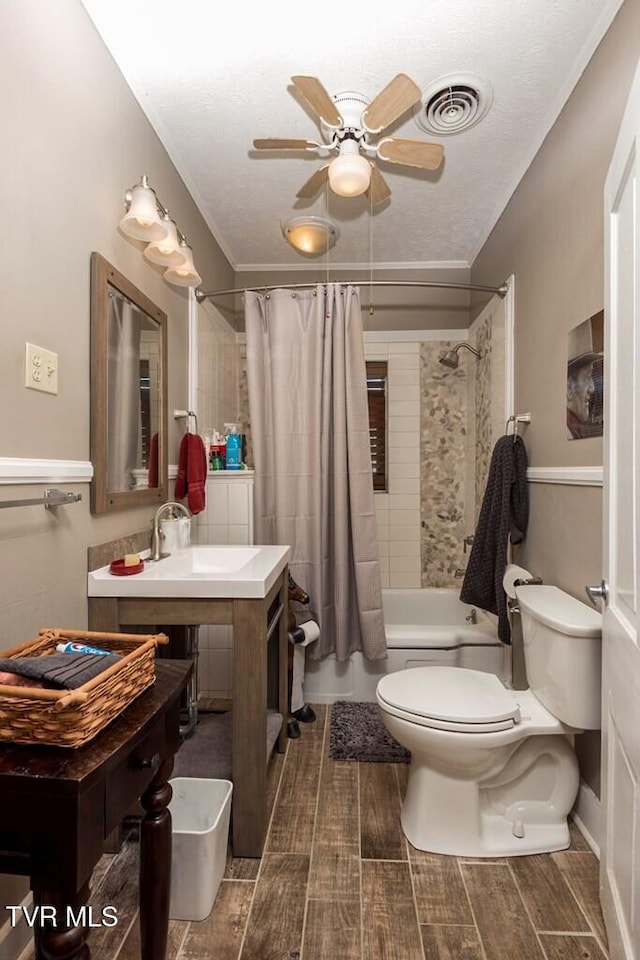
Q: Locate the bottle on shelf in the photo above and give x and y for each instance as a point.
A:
(217, 452)
(234, 447)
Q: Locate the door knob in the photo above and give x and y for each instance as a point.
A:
(601, 592)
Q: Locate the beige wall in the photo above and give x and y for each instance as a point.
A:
(74, 139)
(551, 238)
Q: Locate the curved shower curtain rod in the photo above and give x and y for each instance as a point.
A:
(441, 284)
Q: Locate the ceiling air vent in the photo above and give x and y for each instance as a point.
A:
(453, 103)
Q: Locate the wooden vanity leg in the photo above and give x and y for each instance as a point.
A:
(155, 866)
(249, 735)
(62, 942)
(283, 662)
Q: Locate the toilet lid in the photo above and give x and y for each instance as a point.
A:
(450, 698)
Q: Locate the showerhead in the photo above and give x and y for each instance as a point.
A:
(451, 357)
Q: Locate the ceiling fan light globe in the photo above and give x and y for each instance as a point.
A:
(349, 175)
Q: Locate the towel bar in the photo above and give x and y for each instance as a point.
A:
(51, 500)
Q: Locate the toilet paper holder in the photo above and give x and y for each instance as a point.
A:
(512, 605)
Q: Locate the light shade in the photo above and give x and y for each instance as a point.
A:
(166, 251)
(310, 235)
(142, 220)
(350, 172)
(185, 274)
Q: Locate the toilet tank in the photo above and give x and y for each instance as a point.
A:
(562, 649)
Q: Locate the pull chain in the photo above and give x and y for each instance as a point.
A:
(371, 311)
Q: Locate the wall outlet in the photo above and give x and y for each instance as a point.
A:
(41, 369)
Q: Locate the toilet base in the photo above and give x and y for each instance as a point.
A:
(495, 839)
(521, 810)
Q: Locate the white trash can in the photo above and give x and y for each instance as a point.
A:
(200, 811)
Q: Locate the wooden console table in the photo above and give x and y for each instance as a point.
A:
(260, 647)
(58, 806)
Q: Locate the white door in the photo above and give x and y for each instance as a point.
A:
(620, 848)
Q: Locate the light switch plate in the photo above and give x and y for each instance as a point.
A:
(41, 369)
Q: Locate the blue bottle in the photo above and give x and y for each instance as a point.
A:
(234, 449)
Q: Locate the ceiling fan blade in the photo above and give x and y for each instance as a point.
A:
(318, 99)
(273, 143)
(315, 182)
(412, 153)
(391, 103)
(378, 190)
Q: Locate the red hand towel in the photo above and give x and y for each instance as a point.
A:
(192, 472)
(181, 479)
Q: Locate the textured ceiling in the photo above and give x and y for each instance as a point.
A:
(211, 77)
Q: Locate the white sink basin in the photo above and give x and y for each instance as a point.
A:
(221, 571)
(202, 561)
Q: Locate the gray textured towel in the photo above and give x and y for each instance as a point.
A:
(67, 670)
(504, 514)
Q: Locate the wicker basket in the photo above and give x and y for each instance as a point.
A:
(70, 718)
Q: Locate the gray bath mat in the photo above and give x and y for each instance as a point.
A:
(208, 752)
(358, 732)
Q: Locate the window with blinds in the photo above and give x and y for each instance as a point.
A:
(377, 397)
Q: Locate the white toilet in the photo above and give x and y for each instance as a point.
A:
(493, 772)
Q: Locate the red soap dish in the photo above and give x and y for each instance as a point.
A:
(119, 570)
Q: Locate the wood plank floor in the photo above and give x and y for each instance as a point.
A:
(338, 881)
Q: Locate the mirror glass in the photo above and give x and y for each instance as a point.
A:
(128, 393)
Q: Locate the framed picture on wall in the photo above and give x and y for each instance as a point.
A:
(585, 357)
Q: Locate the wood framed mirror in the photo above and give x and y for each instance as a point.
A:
(128, 393)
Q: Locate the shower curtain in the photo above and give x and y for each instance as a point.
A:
(310, 433)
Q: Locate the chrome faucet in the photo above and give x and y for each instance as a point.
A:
(156, 534)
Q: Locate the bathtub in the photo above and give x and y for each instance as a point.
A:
(424, 628)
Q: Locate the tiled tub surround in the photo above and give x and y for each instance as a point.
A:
(461, 416)
(485, 403)
(443, 429)
(398, 510)
(218, 371)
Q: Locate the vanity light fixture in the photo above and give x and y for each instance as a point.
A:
(184, 274)
(147, 219)
(142, 219)
(310, 235)
(166, 252)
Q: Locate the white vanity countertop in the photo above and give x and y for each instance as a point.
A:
(214, 572)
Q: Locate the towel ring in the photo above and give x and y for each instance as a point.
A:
(184, 415)
(515, 419)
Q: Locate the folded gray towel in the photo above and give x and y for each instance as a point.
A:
(67, 670)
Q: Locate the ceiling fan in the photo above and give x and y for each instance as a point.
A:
(349, 122)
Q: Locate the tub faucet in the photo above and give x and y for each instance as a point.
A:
(473, 616)
(156, 535)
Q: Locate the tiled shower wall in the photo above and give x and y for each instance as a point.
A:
(443, 453)
(218, 371)
(461, 417)
(398, 510)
